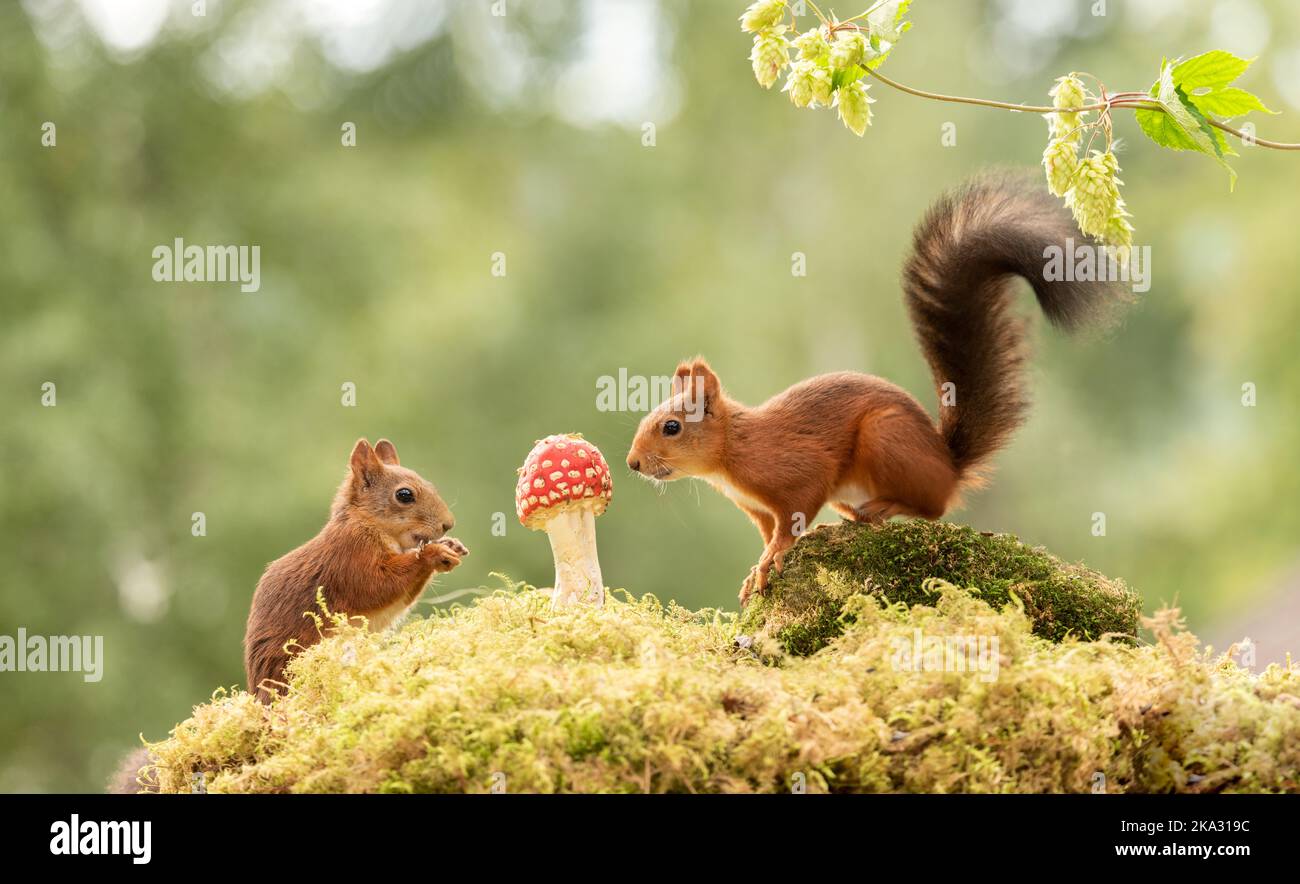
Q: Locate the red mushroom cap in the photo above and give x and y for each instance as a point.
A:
(561, 473)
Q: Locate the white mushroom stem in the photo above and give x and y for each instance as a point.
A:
(577, 567)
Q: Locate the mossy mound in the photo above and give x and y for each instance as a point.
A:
(642, 697)
(893, 562)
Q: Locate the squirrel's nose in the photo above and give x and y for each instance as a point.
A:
(634, 464)
(448, 525)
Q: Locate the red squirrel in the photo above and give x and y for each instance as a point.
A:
(858, 442)
(386, 536)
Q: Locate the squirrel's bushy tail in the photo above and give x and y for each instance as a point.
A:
(958, 286)
(126, 779)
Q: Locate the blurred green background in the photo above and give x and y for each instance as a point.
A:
(524, 134)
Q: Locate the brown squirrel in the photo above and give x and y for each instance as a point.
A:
(858, 442)
(386, 536)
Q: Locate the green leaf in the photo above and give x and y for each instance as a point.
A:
(1183, 126)
(1166, 129)
(1173, 100)
(887, 23)
(1217, 139)
(851, 74)
(885, 26)
(877, 51)
(1163, 130)
(1229, 101)
(1209, 70)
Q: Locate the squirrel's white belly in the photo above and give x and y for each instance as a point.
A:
(386, 617)
(735, 493)
(850, 494)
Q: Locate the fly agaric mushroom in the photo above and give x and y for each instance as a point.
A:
(564, 485)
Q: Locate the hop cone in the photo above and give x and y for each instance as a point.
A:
(1067, 93)
(1095, 198)
(799, 84)
(855, 106)
(808, 84)
(762, 14)
(812, 45)
(822, 89)
(770, 55)
(849, 49)
(1119, 232)
(1061, 162)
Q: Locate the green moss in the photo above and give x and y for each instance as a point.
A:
(642, 697)
(893, 562)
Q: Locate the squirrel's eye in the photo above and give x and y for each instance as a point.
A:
(672, 428)
(405, 495)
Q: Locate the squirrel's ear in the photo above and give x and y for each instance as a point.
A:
(703, 380)
(364, 464)
(681, 378)
(385, 451)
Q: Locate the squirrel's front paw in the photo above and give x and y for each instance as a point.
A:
(777, 561)
(442, 557)
(756, 582)
(455, 546)
(747, 588)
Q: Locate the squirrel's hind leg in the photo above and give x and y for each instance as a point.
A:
(877, 512)
(847, 511)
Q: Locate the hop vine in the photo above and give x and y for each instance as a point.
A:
(1089, 184)
(831, 59)
(831, 64)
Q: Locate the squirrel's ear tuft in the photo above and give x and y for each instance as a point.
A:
(695, 378)
(700, 366)
(364, 463)
(704, 380)
(681, 378)
(386, 452)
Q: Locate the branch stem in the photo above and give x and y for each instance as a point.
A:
(1121, 99)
